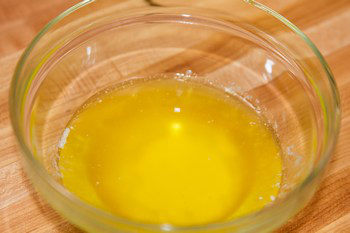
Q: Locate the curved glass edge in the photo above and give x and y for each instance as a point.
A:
(335, 92)
(15, 115)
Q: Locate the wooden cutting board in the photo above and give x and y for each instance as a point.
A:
(326, 22)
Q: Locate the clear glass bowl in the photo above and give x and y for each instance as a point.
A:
(242, 47)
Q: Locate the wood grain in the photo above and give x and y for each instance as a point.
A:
(21, 210)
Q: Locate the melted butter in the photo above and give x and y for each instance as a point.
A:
(165, 151)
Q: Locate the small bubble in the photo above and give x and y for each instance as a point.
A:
(272, 198)
(189, 72)
(289, 150)
(179, 75)
(63, 139)
(229, 90)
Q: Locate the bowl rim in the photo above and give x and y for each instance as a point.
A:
(41, 171)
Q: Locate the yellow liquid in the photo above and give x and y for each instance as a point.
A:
(166, 151)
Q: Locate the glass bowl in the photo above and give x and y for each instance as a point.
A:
(243, 47)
